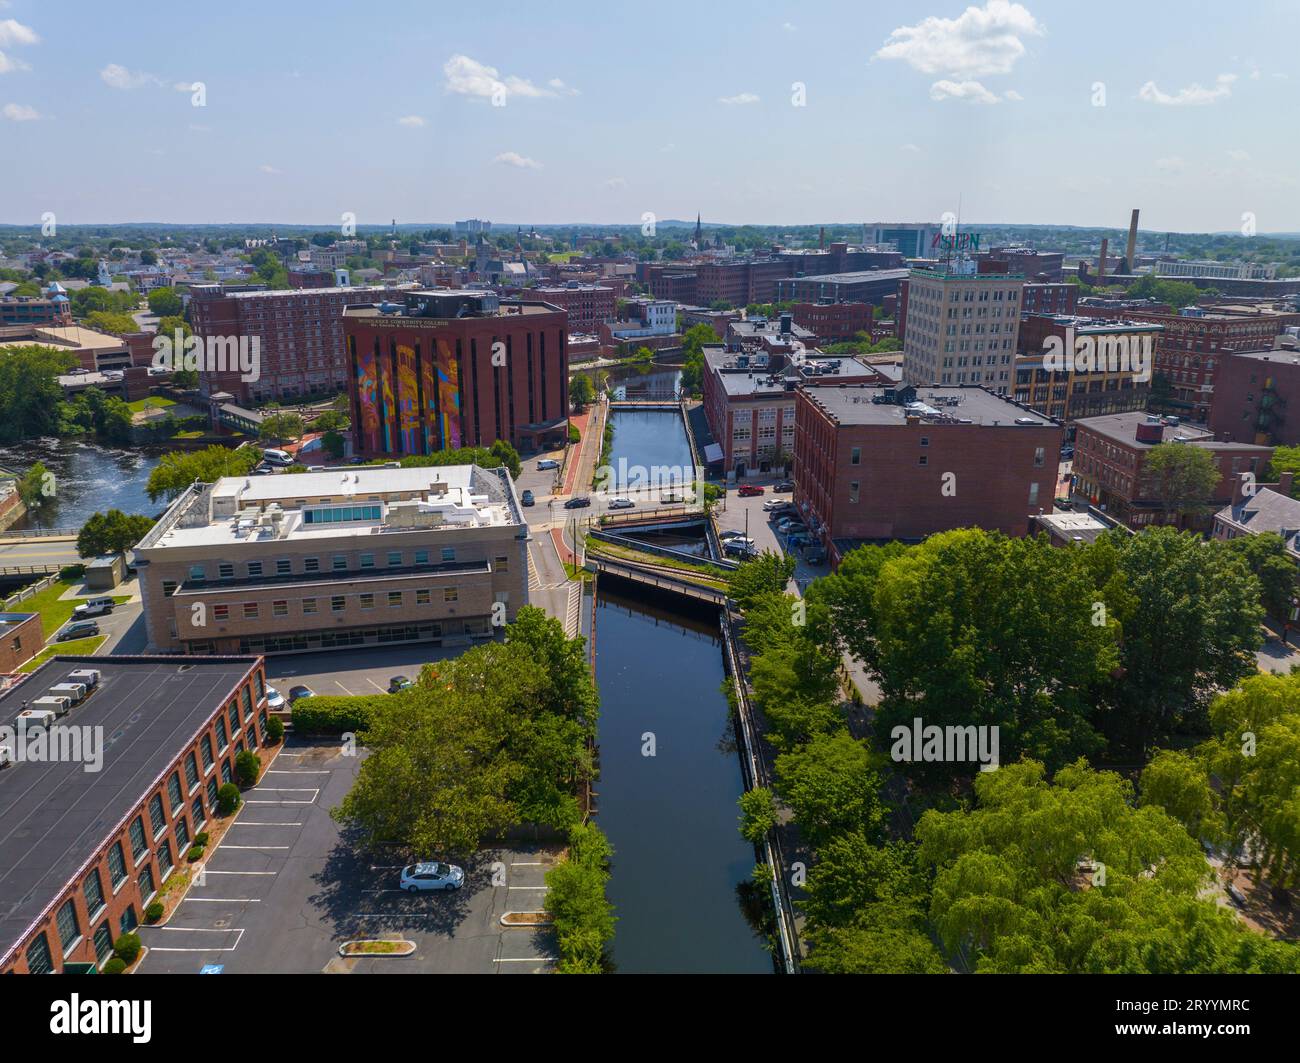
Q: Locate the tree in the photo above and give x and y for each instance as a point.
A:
(831, 788)
(334, 444)
(580, 390)
(247, 767)
(1182, 478)
(767, 573)
(111, 533)
(30, 395)
(1285, 459)
(164, 302)
(331, 421)
(757, 814)
(106, 321)
(36, 490)
(1267, 557)
(179, 469)
(279, 427)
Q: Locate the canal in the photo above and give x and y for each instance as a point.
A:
(88, 478)
(646, 440)
(680, 882)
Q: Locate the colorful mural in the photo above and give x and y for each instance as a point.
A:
(429, 415)
(368, 396)
(448, 397)
(408, 401)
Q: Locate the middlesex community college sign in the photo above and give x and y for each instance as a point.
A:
(956, 242)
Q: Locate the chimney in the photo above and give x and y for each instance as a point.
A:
(1239, 487)
(1101, 268)
(1130, 252)
(1284, 482)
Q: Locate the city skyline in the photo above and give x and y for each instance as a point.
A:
(1023, 113)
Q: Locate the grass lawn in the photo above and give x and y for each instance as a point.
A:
(55, 613)
(151, 402)
(74, 647)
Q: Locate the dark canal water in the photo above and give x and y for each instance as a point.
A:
(646, 440)
(88, 478)
(680, 866)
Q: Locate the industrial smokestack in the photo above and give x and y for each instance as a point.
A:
(1101, 266)
(1130, 252)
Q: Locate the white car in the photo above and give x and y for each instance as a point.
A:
(621, 503)
(548, 463)
(774, 503)
(432, 875)
(274, 699)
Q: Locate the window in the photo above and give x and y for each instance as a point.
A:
(196, 809)
(336, 604)
(222, 740)
(422, 557)
(449, 594)
(221, 613)
(308, 606)
(147, 888)
(283, 567)
(168, 587)
(116, 865)
(259, 686)
(182, 835)
(394, 558)
(38, 957)
(502, 563)
(422, 596)
(367, 601)
(1033, 494)
(925, 441)
(853, 490)
(225, 772)
(103, 942)
(339, 562)
(128, 922)
(156, 818)
(93, 890)
(255, 568)
(246, 701)
(367, 560)
(280, 608)
(449, 553)
(232, 714)
(250, 610)
(66, 922)
(212, 791)
(197, 574)
(174, 792)
(1038, 457)
(225, 570)
(139, 844)
(924, 459)
(311, 564)
(855, 456)
(394, 599)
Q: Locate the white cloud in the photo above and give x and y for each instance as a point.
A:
(1171, 164)
(1238, 155)
(412, 120)
(971, 91)
(520, 162)
(184, 86)
(116, 76)
(469, 77)
(981, 41)
(14, 32)
(741, 98)
(1012, 95)
(269, 169)
(789, 27)
(911, 148)
(8, 64)
(616, 182)
(1193, 95)
(20, 112)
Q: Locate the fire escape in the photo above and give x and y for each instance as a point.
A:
(1271, 415)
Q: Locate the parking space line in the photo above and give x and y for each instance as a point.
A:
(222, 900)
(209, 871)
(297, 771)
(200, 930)
(529, 863)
(376, 685)
(524, 959)
(251, 823)
(287, 790)
(254, 847)
(250, 801)
(526, 887)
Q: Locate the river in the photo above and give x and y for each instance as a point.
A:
(88, 478)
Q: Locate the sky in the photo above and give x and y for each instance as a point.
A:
(1044, 112)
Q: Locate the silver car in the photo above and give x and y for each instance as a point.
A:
(432, 875)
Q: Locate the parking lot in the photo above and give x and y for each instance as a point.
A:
(740, 510)
(363, 670)
(285, 889)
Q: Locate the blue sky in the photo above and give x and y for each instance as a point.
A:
(385, 110)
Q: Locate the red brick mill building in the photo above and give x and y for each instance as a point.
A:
(453, 368)
(82, 853)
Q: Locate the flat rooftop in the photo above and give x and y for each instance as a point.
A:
(54, 816)
(853, 277)
(853, 404)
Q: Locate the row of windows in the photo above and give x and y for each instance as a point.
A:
(284, 566)
(337, 603)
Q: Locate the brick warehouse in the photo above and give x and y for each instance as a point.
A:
(872, 463)
(83, 853)
(448, 369)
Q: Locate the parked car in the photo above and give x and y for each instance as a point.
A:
(527, 499)
(797, 540)
(81, 629)
(578, 502)
(741, 548)
(548, 463)
(749, 490)
(738, 540)
(432, 875)
(815, 556)
(93, 607)
(621, 503)
(274, 699)
(774, 503)
(671, 499)
(1238, 898)
(399, 683)
(281, 458)
(299, 692)
(785, 524)
(784, 485)
(731, 533)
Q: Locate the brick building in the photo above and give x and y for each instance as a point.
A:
(833, 322)
(1109, 465)
(21, 636)
(875, 463)
(588, 305)
(299, 333)
(1257, 398)
(84, 852)
(959, 326)
(1049, 298)
(740, 283)
(862, 286)
(32, 310)
(454, 369)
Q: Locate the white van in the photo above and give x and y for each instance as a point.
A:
(277, 457)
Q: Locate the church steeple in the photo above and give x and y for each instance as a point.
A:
(699, 233)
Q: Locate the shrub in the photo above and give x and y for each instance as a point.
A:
(201, 839)
(127, 948)
(153, 911)
(195, 853)
(274, 730)
(228, 799)
(575, 436)
(575, 899)
(757, 814)
(113, 966)
(334, 714)
(247, 768)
